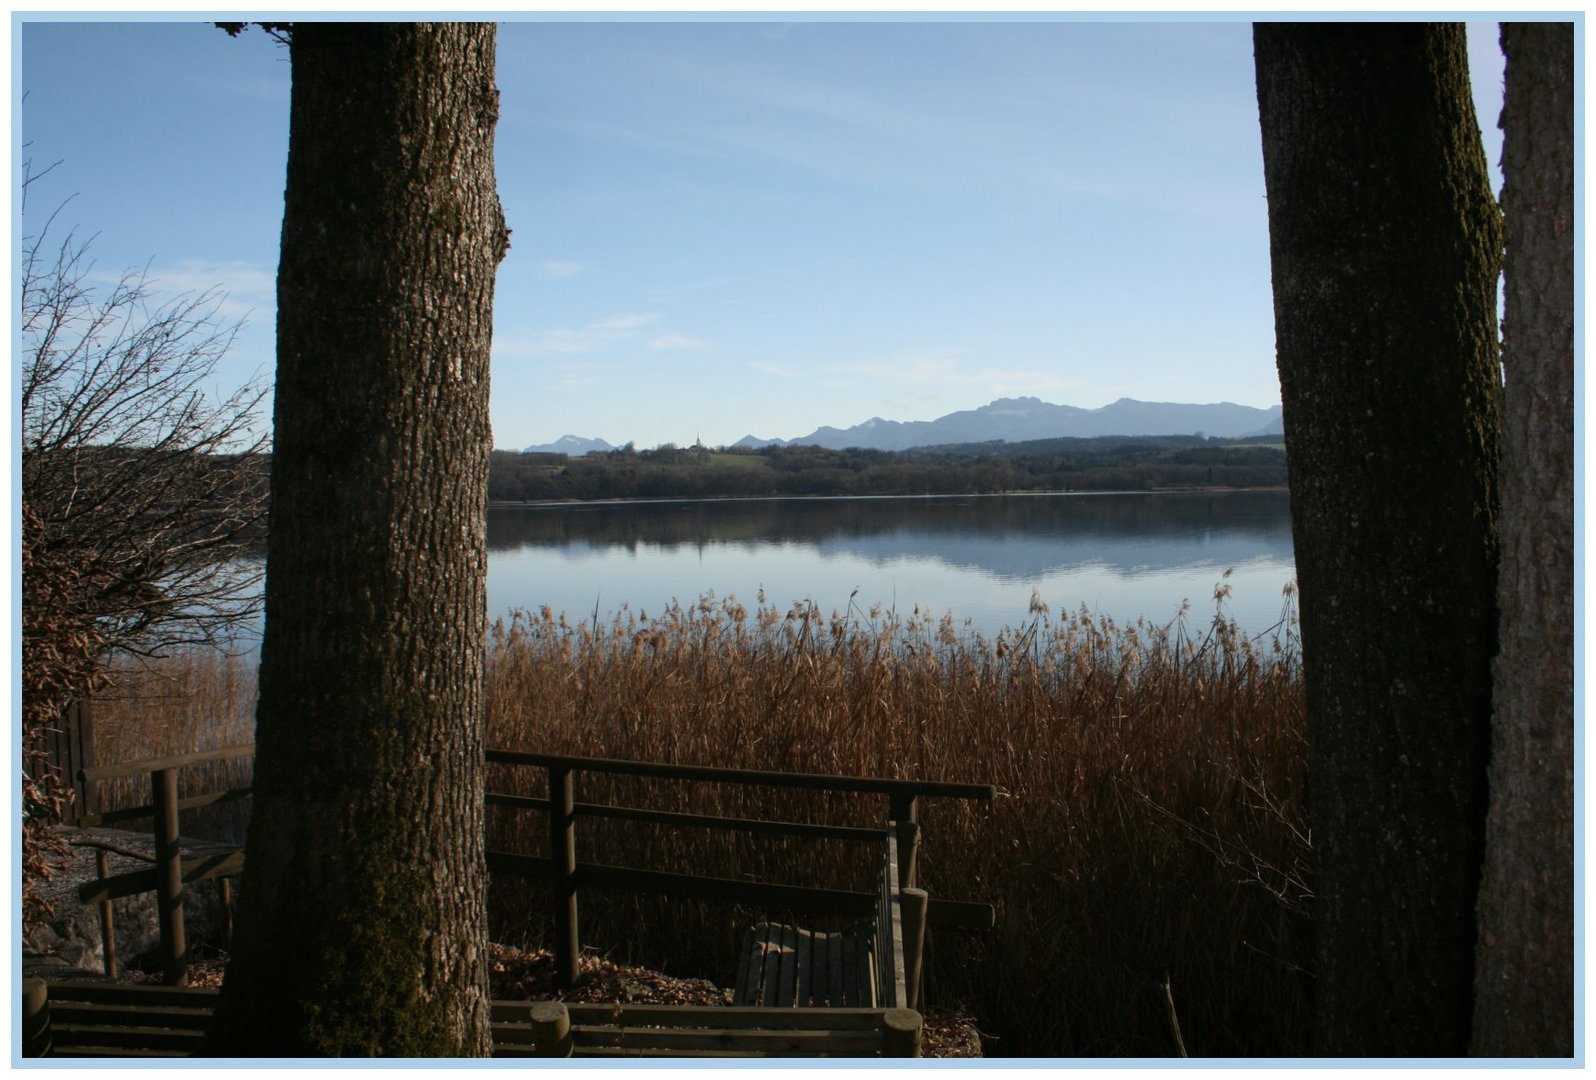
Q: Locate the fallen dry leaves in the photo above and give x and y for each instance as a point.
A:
(515, 975)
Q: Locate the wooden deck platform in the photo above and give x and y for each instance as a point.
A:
(788, 966)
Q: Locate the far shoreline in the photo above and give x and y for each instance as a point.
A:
(1204, 489)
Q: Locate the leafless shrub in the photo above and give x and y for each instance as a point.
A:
(143, 488)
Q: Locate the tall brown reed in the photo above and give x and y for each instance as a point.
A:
(1148, 843)
(187, 701)
(1149, 828)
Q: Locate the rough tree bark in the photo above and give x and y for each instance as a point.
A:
(1385, 245)
(1525, 988)
(361, 928)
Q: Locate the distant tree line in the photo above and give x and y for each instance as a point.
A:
(1103, 464)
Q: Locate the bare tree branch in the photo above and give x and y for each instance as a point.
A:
(145, 488)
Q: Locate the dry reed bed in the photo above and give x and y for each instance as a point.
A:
(1147, 843)
(1147, 846)
(193, 700)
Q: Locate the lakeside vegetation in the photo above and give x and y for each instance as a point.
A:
(1112, 463)
(1107, 463)
(1148, 844)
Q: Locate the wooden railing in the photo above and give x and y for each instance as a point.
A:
(567, 876)
(171, 871)
(561, 868)
(896, 951)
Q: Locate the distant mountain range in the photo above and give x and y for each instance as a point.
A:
(1009, 420)
(574, 445)
(1022, 419)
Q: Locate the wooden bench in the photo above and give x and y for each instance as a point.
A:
(873, 966)
(83, 1018)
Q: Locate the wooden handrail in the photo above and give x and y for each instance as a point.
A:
(193, 802)
(703, 887)
(889, 928)
(801, 829)
(561, 868)
(942, 914)
(136, 768)
(215, 864)
(567, 876)
(879, 785)
(657, 770)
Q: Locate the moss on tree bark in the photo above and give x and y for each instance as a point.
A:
(1385, 246)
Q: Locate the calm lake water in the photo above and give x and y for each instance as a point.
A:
(977, 557)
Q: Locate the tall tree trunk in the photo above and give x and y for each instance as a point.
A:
(362, 928)
(1525, 990)
(1385, 246)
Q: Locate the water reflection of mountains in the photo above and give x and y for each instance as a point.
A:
(1009, 537)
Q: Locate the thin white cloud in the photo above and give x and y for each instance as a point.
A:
(569, 375)
(593, 337)
(1045, 131)
(914, 369)
(263, 87)
(673, 341)
(917, 369)
(240, 289)
(1029, 383)
(624, 321)
(551, 269)
(239, 279)
(923, 376)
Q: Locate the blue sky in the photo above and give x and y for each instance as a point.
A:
(732, 228)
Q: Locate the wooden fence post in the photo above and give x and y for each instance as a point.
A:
(905, 811)
(551, 1028)
(562, 859)
(35, 1018)
(224, 896)
(169, 878)
(78, 754)
(102, 866)
(913, 904)
(901, 1030)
